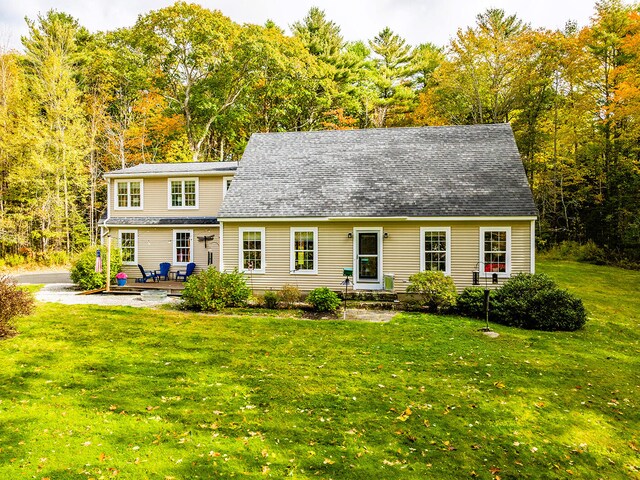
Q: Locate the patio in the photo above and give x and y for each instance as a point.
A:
(171, 286)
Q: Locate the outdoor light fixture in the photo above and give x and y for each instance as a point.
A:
(349, 235)
(386, 235)
(476, 277)
(494, 278)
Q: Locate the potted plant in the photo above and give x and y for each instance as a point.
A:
(121, 278)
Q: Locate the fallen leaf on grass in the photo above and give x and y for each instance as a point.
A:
(494, 470)
(328, 461)
(404, 415)
(633, 447)
(102, 457)
(498, 384)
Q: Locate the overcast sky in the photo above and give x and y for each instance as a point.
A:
(418, 21)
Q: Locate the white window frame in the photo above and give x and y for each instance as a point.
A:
(182, 180)
(135, 251)
(423, 256)
(224, 185)
(292, 252)
(128, 181)
(505, 274)
(379, 283)
(263, 241)
(175, 247)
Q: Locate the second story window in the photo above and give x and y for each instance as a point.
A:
(183, 193)
(128, 194)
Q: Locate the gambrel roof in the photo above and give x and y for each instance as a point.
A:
(453, 171)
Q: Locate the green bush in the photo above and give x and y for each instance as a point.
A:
(14, 260)
(83, 271)
(288, 295)
(270, 299)
(323, 300)
(14, 302)
(470, 302)
(534, 301)
(434, 290)
(212, 290)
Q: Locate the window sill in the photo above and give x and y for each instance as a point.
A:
(303, 272)
(253, 272)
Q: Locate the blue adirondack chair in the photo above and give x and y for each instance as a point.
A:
(146, 275)
(164, 271)
(184, 275)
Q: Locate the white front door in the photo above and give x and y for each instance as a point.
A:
(367, 268)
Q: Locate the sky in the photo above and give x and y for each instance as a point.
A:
(418, 21)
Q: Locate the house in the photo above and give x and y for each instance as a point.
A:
(386, 203)
(306, 205)
(166, 213)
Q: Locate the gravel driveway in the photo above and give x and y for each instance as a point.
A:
(65, 293)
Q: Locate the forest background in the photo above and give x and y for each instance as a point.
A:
(187, 84)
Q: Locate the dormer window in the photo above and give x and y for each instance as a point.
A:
(129, 194)
(183, 193)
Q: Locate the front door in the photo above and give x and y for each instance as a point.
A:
(368, 263)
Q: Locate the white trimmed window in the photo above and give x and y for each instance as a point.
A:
(129, 246)
(304, 250)
(182, 247)
(251, 250)
(226, 183)
(183, 193)
(495, 251)
(435, 249)
(129, 194)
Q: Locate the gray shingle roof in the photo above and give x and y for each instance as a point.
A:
(176, 168)
(158, 221)
(428, 171)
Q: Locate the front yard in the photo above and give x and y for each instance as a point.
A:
(90, 392)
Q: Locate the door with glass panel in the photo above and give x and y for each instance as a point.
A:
(368, 263)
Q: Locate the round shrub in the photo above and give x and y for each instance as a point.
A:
(211, 290)
(288, 295)
(270, 299)
(434, 290)
(534, 301)
(557, 309)
(323, 300)
(83, 268)
(470, 302)
(14, 302)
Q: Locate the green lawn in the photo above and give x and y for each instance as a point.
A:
(88, 392)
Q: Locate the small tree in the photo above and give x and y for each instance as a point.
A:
(14, 302)
(435, 290)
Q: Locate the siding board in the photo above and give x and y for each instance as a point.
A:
(401, 251)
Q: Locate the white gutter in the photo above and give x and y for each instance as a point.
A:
(170, 174)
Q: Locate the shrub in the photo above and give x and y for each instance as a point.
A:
(288, 295)
(557, 309)
(83, 271)
(14, 260)
(270, 299)
(14, 302)
(434, 290)
(212, 290)
(534, 301)
(323, 300)
(471, 302)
